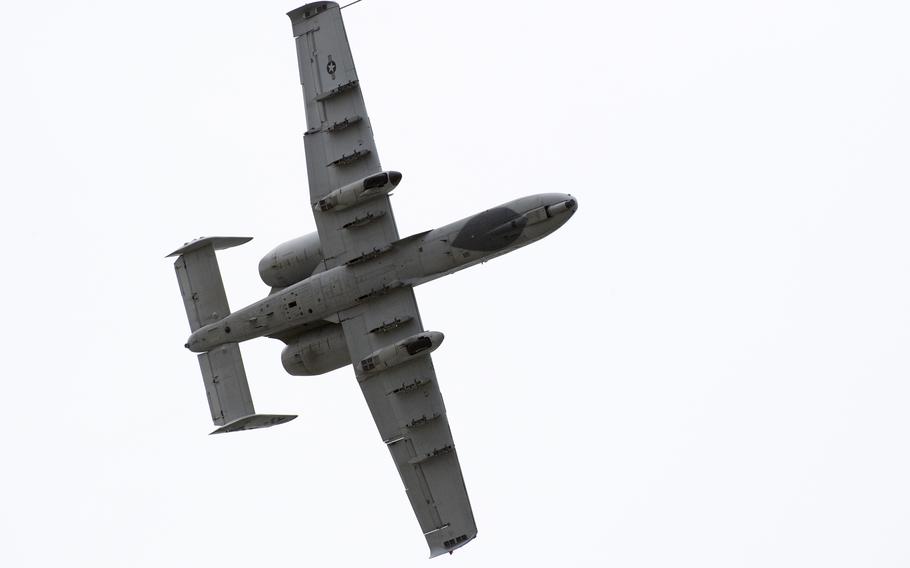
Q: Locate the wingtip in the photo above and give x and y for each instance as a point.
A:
(439, 551)
(311, 9)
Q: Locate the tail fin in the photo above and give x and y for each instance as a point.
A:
(200, 279)
(225, 380)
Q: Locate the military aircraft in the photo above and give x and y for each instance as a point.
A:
(344, 294)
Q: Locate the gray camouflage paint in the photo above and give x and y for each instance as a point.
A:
(344, 293)
(491, 230)
(308, 303)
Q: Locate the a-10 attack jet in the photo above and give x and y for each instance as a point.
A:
(344, 295)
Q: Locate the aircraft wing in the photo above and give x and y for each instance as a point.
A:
(404, 400)
(339, 139)
(408, 410)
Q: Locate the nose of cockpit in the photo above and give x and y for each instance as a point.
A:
(562, 204)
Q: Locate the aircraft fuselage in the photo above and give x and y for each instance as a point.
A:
(408, 262)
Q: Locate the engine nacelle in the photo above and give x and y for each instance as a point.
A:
(358, 191)
(316, 352)
(419, 345)
(291, 262)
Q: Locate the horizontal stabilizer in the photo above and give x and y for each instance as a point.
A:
(229, 392)
(226, 386)
(200, 279)
(255, 421)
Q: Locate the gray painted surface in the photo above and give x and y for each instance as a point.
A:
(223, 375)
(346, 294)
(491, 230)
(291, 262)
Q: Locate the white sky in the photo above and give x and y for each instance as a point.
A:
(707, 366)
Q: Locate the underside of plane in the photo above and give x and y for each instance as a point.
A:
(344, 294)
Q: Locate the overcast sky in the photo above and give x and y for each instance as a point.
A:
(706, 367)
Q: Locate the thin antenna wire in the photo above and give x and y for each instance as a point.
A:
(351, 4)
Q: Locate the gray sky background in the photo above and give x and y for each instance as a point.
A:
(706, 367)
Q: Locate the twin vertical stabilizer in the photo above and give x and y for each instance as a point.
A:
(225, 380)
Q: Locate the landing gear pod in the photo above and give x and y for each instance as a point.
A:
(359, 191)
(417, 345)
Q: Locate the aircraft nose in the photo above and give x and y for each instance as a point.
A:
(569, 204)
